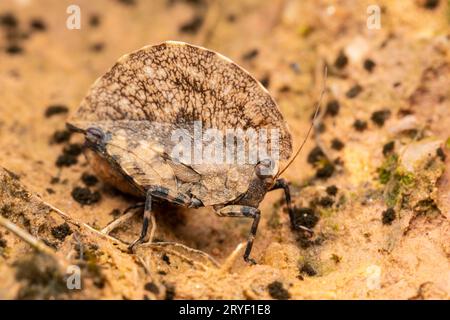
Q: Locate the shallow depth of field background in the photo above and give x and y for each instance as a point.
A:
(359, 249)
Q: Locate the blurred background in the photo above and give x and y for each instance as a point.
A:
(386, 60)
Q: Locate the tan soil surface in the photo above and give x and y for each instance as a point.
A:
(353, 254)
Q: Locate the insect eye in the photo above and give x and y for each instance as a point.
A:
(94, 134)
(265, 168)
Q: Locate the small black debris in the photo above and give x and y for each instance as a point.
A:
(115, 212)
(94, 20)
(97, 47)
(332, 108)
(192, 26)
(360, 125)
(69, 155)
(38, 25)
(85, 196)
(265, 81)
(166, 258)
(354, 91)
(285, 88)
(55, 109)
(431, 4)
(308, 269)
(250, 55)
(441, 154)
(332, 190)
(127, 2)
(170, 291)
(277, 291)
(231, 18)
(295, 67)
(336, 258)
(326, 171)
(341, 60)
(369, 65)
(50, 191)
(321, 127)
(326, 202)
(379, 117)
(388, 216)
(388, 148)
(151, 287)
(305, 217)
(54, 180)
(405, 112)
(14, 49)
(9, 20)
(337, 144)
(65, 160)
(315, 155)
(3, 242)
(73, 149)
(61, 232)
(89, 179)
(61, 136)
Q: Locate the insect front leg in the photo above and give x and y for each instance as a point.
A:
(283, 184)
(243, 211)
(164, 194)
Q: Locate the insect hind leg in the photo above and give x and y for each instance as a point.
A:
(164, 194)
(244, 211)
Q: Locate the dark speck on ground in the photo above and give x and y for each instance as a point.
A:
(360, 125)
(277, 291)
(61, 136)
(38, 25)
(388, 216)
(89, 179)
(151, 287)
(326, 202)
(369, 65)
(341, 60)
(84, 196)
(332, 190)
(441, 154)
(170, 291)
(192, 26)
(62, 231)
(56, 109)
(315, 155)
(333, 108)
(326, 171)
(388, 148)
(14, 49)
(337, 144)
(354, 91)
(379, 117)
(250, 55)
(307, 269)
(305, 217)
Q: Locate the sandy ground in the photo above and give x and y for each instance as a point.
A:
(360, 250)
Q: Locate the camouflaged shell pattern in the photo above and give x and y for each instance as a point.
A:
(175, 84)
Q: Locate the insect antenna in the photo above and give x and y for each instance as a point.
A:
(316, 113)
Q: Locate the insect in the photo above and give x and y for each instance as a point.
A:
(130, 114)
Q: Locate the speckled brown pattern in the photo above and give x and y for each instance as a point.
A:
(179, 83)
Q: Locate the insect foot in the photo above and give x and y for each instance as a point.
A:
(244, 211)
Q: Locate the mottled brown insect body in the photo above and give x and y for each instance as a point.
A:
(131, 113)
